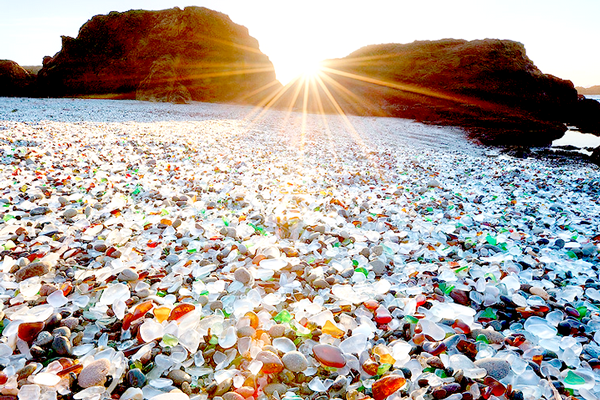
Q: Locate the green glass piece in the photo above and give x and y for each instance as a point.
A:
(383, 368)
(164, 212)
(430, 209)
(355, 263)
(363, 270)
(170, 340)
(428, 369)
(441, 373)
(411, 319)
(8, 217)
(225, 221)
(161, 293)
(137, 190)
(573, 379)
(571, 254)
(482, 338)
(489, 313)
(213, 340)
(582, 311)
(491, 240)
(444, 287)
(283, 317)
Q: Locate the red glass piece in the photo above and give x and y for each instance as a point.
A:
(329, 355)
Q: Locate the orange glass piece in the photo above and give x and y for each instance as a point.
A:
(329, 355)
(385, 357)
(251, 315)
(65, 362)
(165, 221)
(29, 330)
(3, 378)
(161, 313)
(370, 367)
(497, 388)
(538, 359)
(180, 310)
(418, 338)
(76, 368)
(66, 288)
(139, 311)
(461, 327)
(371, 304)
(387, 385)
(271, 362)
(330, 329)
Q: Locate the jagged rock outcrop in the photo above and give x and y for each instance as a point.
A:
(167, 55)
(488, 86)
(14, 80)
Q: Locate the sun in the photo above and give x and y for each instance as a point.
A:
(297, 69)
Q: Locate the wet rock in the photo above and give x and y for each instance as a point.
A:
(497, 368)
(94, 374)
(31, 270)
(295, 361)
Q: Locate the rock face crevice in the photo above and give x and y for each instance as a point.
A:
(168, 55)
(15, 80)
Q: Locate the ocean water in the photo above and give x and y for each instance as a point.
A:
(583, 141)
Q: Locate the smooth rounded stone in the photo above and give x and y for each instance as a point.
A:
(242, 275)
(216, 305)
(365, 252)
(143, 293)
(277, 330)
(491, 335)
(497, 368)
(43, 338)
(378, 267)
(203, 300)
(47, 290)
(377, 250)
(39, 211)
(329, 355)
(26, 371)
(246, 331)
(62, 345)
(94, 374)
(242, 249)
(128, 275)
(295, 361)
(31, 270)
(63, 201)
(271, 362)
(539, 291)
(70, 213)
(224, 387)
(232, 396)
(177, 223)
(179, 376)
(320, 284)
(275, 387)
(62, 331)
(136, 378)
(100, 247)
(70, 322)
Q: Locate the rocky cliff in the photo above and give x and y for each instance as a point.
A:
(488, 86)
(15, 80)
(592, 90)
(168, 55)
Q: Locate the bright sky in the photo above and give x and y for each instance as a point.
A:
(561, 37)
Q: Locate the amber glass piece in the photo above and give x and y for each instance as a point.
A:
(66, 288)
(370, 367)
(382, 315)
(180, 310)
(469, 349)
(538, 359)
(161, 313)
(330, 329)
(460, 327)
(385, 357)
(139, 311)
(65, 362)
(497, 388)
(418, 338)
(251, 315)
(329, 355)
(387, 385)
(245, 391)
(271, 362)
(29, 330)
(76, 368)
(371, 304)
(165, 221)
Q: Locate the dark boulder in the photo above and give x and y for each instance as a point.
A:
(166, 55)
(14, 80)
(490, 87)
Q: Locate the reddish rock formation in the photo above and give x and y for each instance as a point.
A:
(167, 55)
(14, 79)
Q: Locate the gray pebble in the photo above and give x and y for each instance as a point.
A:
(295, 361)
(70, 213)
(242, 275)
(497, 368)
